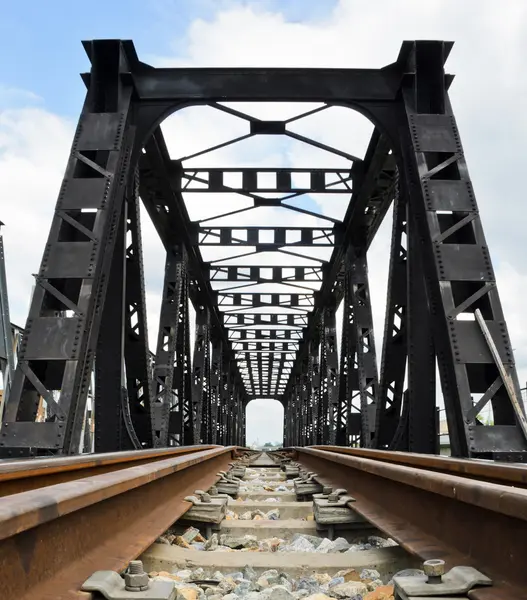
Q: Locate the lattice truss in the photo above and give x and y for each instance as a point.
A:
(266, 235)
(266, 248)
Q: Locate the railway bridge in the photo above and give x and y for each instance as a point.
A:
(114, 441)
(266, 313)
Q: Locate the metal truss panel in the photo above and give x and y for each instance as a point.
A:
(266, 274)
(203, 180)
(434, 153)
(279, 236)
(74, 269)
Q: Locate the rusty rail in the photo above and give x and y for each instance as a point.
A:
(436, 514)
(489, 471)
(52, 538)
(22, 475)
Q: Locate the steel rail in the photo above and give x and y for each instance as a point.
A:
(52, 539)
(28, 474)
(489, 471)
(437, 514)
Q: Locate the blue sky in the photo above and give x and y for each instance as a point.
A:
(40, 42)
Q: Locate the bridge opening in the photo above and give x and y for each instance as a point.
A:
(264, 422)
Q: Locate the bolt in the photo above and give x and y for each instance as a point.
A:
(333, 498)
(434, 570)
(135, 567)
(135, 579)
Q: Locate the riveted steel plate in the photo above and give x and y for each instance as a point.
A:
(434, 133)
(28, 434)
(498, 438)
(52, 338)
(89, 192)
(100, 131)
(69, 260)
(470, 345)
(463, 262)
(449, 195)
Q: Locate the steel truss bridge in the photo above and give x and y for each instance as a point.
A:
(266, 330)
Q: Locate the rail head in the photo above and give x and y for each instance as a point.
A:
(462, 520)
(31, 508)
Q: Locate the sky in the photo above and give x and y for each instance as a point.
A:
(41, 95)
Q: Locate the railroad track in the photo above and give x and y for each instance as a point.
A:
(465, 512)
(61, 519)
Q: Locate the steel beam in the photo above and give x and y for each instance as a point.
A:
(278, 85)
(201, 408)
(136, 352)
(391, 421)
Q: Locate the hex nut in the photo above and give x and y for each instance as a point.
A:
(136, 581)
(434, 568)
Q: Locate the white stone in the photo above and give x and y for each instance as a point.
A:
(348, 589)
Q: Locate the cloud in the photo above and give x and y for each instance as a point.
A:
(34, 146)
(13, 97)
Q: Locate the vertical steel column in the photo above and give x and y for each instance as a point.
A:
(422, 412)
(201, 377)
(459, 271)
(184, 370)
(305, 408)
(391, 431)
(215, 389)
(57, 352)
(309, 396)
(7, 359)
(316, 391)
(364, 338)
(113, 429)
(136, 352)
(349, 407)
(225, 400)
(329, 376)
(243, 434)
(297, 414)
(167, 401)
(288, 423)
(230, 424)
